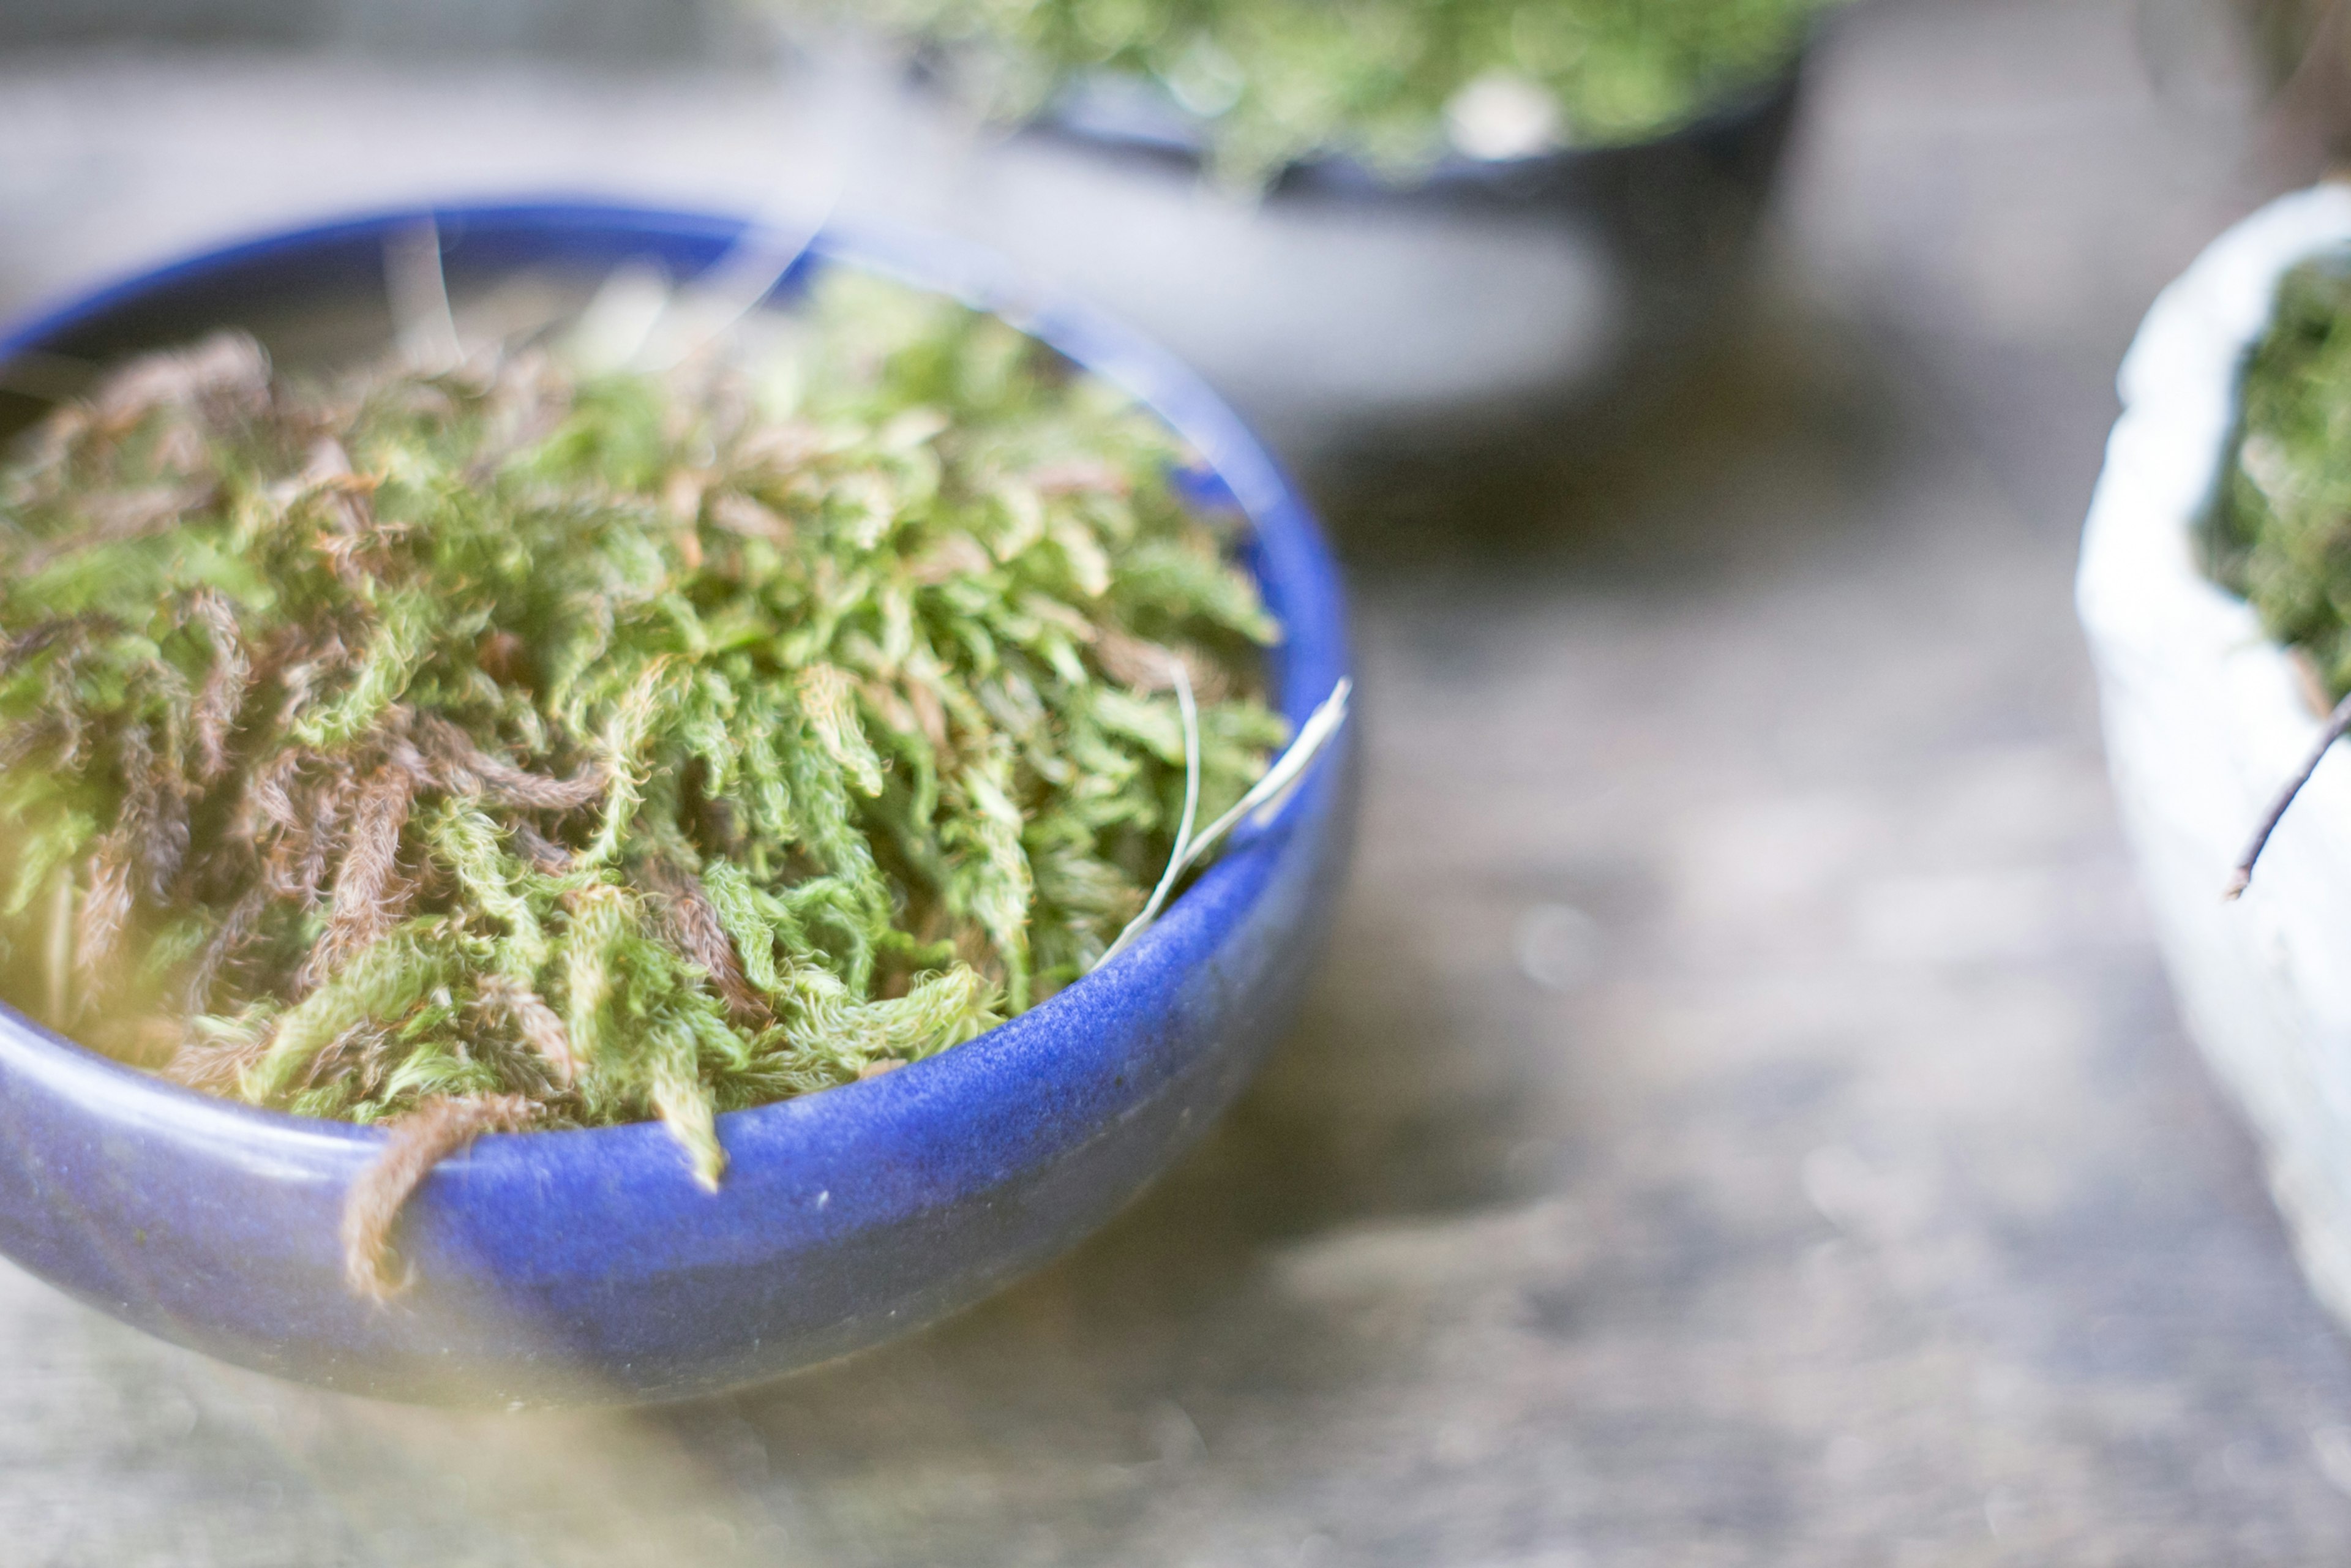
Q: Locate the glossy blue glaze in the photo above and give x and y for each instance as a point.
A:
(586, 1266)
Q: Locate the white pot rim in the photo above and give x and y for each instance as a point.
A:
(2142, 592)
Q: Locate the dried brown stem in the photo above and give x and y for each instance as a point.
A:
(38, 640)
(2338, 724)
(370, 889)
(695, 925)
(111, 519)
(1146, 666)
(104, 915)
(229, 367)
(154, 813)
(523, 1007)
(223, 694)
(420, 1140)
(467, 770)
(244, 918)
(542, 851)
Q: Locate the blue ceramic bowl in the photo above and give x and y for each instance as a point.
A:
(586, 1266)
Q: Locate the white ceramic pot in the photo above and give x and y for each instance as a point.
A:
(2205, 719)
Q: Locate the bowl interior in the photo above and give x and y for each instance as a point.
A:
(318, 296)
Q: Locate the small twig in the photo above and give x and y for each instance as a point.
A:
(2338, 724)
(1312, 736)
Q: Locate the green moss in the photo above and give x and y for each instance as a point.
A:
(634, 745)
(2280, 533)
(1280, 80)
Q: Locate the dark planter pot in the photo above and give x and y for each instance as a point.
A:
(1354, 319)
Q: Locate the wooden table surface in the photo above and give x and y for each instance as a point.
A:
(1742, 1120)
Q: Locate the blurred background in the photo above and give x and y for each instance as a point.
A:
(620, 31)
(1741, 1120)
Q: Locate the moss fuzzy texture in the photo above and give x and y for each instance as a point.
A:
(582, 746)
(1396, 83)
(2280, 532)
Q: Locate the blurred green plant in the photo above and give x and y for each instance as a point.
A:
(2301, 51)
(530, 743)
(1396, 83)
(2280, 532)
(2282, 33)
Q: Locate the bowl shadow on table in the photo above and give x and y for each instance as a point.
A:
(1644, 487)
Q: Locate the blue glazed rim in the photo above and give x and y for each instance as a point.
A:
(1287, 553)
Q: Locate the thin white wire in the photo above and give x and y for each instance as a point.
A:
(700, 312)
(1191, 711)
(1312, 736)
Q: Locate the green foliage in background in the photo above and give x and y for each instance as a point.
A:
(2280, 534)
(1376, 79)
(609, 744)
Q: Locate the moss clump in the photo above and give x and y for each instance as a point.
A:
(590, 747)
(2280, 532)
(1396, 83)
